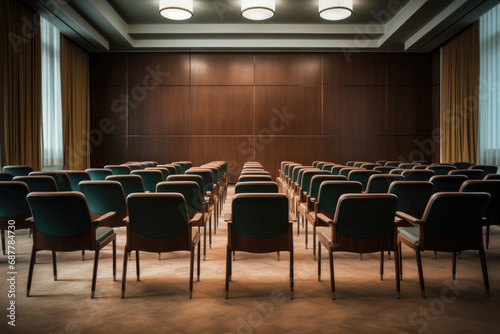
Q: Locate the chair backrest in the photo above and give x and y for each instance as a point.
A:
(248, 218)
(441, 169)
(336, 170)
(104, 196)
(13, 199)
(491, 187)
(298, 181)
(184, 166)
(487, 169)
(257, 172)
(330, 192)
(296, 170)
(178, 168)
(256, 187)
(345, 171)
(157, 215)
(285, 167)
(370, 166)
(119, 169)
(216, 173)
(150, 178)
(362, 176)
(406, 165)
(98, 174)
(316, 181)
(171, 169)
(6, 176)
(358, 164)
(188, 177)
(397, 171)
(164, 171)
(328, 166)
(206, 175)
(350, 163)
(375, 219)
(61, 178)
(38, 183)
(315, 163)
(472, 174)
(189, 189)
(462, 165)
(76, 176)
(413, 196)
(189, 164)
(60, 214)
(133, 166)
(492, 177)
(394, 163)
(149, 163)
(254, 178)
(420, 166)
(18, 170)
(380, 183)
(291, 167)
(447, 183)
(385, 169)
(417, 175)
(307, 176)
(130, 183)
(455, 214)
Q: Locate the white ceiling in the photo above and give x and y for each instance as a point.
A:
(376, 25)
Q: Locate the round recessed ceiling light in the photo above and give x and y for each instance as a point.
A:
(257, 9)
(334, 10)
(176, 9)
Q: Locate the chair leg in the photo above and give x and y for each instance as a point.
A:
(83, 254)
(382, 265)
(94, 275)
(137, 265)
(388, 255)
(298, 226)
(397, 262)
(159, 256)
(114, 260)
(454, 265)
(332, 277)
(210, 232)
(191, 264)
(199, 250)
(126, 254)
(435, 255)
(400, 256)
(485, 270)
(420, 272)
(487, 236)
(3, 241)
(278, 255)
(204, 241)
(228, 270)
(54, 265)
(307, 234)
(216, 217)
(291, 272)
(30, 273)
(314, 242)
(360, 256)
(319, 261)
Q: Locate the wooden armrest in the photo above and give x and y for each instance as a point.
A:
(408, 217)
(197, 217)
(104, 217)
(126, 220)
(209, 194)
(227, 217)
(292, 217)
(304, 193)
(147, 191)
(30, 220)
(397, 220)
(324, 218)
(313, 200)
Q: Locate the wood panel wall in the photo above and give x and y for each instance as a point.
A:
(267, 107)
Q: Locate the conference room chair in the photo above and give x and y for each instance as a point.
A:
(150, 178)
(178, 168)
(417, 167)
(380, 183)
(188, 164)
(441, 169)
(51, 231)
(98, 174)
(336, 169)
(119, 169)
(209, 191)
(492, 177)
(217, 177)
(159, 223)
(38, 183)
(326, 205)
(132, 167)
(260, 223)
(367, 230)
(268, 187)
(450, 223)
(304, 186)
(362, 176)
(282, 172)
(171, 168)
(345, 171)
(472, 174)
(370, 166)
(256, 172)
(462, 165)
(359, 164)
(315, 163)
(6, 176)
(407, 165)
(447, 183)
(397, 171)
(130, 183)
(184, 166)
(413, 196)
(394, 163)
(188, 177)
(18, 170)
(290, 175)
(294, 185)
(164, 171)
(384, 169)
(13, 207)
(61, 178)
(350, 163)
(492, 214)
(103, 197)
(487, 169)
(328, 166)
(417, 175)
(254, 178)
(76, 176)
(149, 163)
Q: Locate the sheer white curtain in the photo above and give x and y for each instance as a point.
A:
(489, 88)
(52, 146)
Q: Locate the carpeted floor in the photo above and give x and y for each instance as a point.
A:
(259, 293)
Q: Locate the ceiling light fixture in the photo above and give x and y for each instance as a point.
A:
(334, 10)
(257, 9)
(176, 9)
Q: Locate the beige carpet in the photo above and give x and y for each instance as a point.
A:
(259, 294)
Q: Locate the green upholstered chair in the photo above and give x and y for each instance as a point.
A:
(350, 163)
(487, 169)
(492, 214)
(328, 166)
(188, 177)
(321, 164)
(394, 163)
(417, 167)
(256, 172)
(119, 169)
(61, 178)
(195, 202)
(315, 163)
(178, 168)
(363, 223)
(98, 174)
(149, 163)
(171, 169)
(209, 191)
(451, 223)
(289, 175)
(407, 165)
(184, 166)
(254, 178)
(13, 207)
(164, 171)
(52, 213)
(260, 223)
(385, 169)
(6, 176)
(345, 171)
(447, 183)
(18, 170)
(103, 197)
(397, 171)
(218, 180)
(130, 183)
(441, 169)
(336, 170)
(492, 177)
(76, 176)
(380, 183)
(132, 167)
(150, 178)
(281, 174)
(326, 205)
(159, 222)
(472, 174)
(38, 183)
(462, 165)
(417, 175)
(358, 164)
(362, 176)
(370, 166)
(413, 196)
(189, 164)
(267, 187)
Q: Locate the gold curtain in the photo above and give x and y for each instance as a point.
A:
(75, 104)
(460, 96)
(20, 88)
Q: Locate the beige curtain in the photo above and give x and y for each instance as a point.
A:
(75, 105)
(459, 96)
(20, 88)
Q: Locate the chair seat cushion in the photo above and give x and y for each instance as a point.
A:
(410, 233)
(324, 232)
(101, 233)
